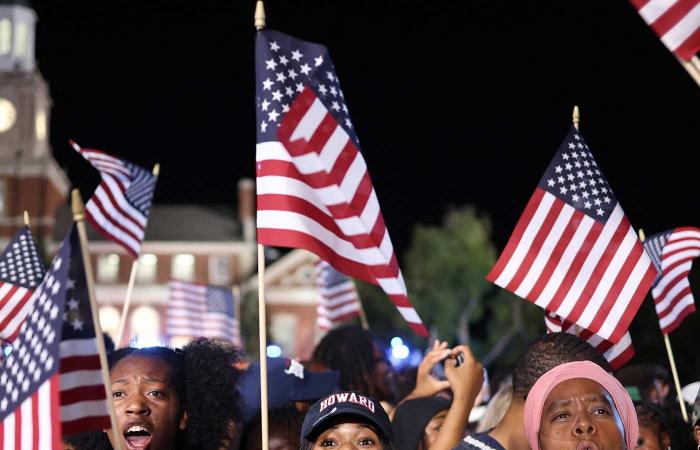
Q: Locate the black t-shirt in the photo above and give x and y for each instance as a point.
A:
(479, 441)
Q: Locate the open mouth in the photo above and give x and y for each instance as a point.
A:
(137, 437)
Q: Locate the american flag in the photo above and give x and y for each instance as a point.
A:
(196, 309)
(120, 205)
(676, 22)
(673, 253)
(616, 354)
(337, 296)
(29, 378)
(21, 271)
(83, 395)
(573, 251)
(313, 187)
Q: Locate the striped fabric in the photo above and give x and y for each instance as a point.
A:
(21, 271)
(676, 22)
(120, 205)
(337, 297)
(196, 309)
(30, 417)
(83, 395)
(673, 253)
(573, 251)
(313, 186)
(616, 354)
(34, 424)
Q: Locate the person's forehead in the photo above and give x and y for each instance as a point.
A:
(143, 366)
(577, 388)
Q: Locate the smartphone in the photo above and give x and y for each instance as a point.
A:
(439, 368)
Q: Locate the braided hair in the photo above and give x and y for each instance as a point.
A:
(350, 350)
(546, 353)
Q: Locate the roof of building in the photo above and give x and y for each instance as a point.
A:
(176, 222)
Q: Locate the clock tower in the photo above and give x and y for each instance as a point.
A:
(30, 178)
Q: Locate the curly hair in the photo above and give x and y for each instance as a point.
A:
(662, 420)
(204, 379)
(210, 392)
(350, 350)
(546, 353)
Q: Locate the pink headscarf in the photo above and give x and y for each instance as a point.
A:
(579, 369)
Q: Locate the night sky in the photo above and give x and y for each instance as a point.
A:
(454, 102)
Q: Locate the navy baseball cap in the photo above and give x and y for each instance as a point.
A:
(345, 403)
(287, 382)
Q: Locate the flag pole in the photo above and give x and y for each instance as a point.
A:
(130, 286)
(693, 68)
(26, 218)
(695, 61)
(671, 359)
(259, 22)
(79, 218)
(576, 116)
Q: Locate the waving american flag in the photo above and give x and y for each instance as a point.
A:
(21, 271)
(673, 253)
(313, 187)
(120, 205)
(573, 251)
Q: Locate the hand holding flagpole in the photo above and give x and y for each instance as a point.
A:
(79, 218)
(130, 286)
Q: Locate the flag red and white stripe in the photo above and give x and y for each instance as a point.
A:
(313, 187)
(35, 424)
(616, 354)
(83, 398)
(673, 252)
(676, 22)
(314, 192)
(338, 300)
(579, 261)
(120, 205)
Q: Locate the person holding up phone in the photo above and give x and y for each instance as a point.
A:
(428, 419)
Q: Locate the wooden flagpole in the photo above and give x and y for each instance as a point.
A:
(26, 218)
(695, 61)
(363, 315)
(130, 286)
(692, 67)
(259, 22)
(671, 359)
(576, 117)
(79, 218)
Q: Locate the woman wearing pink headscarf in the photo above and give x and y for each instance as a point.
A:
(579, 406)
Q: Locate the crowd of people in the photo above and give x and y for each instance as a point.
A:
(561, 394)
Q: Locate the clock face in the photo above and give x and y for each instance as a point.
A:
(8, 114)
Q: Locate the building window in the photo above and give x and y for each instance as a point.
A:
(109, 321)
(5, 36)
(108, 268)
(283, 328)
(3, 195)
(145, 327)
(21, 38)
(220, 270)
(183, 267)
(146, 273)
(40, 125)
